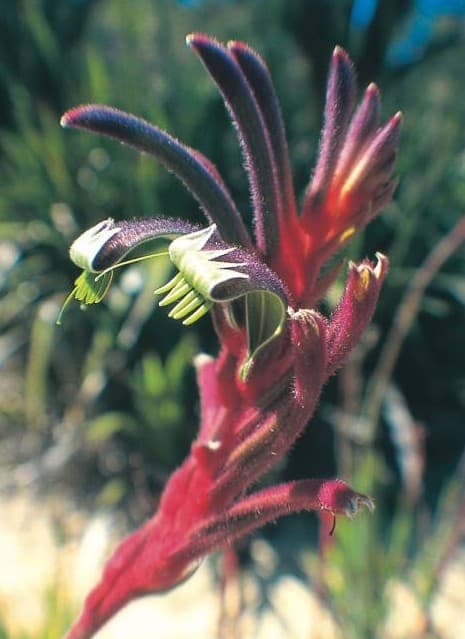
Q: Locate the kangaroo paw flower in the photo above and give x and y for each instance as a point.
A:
(276, 348)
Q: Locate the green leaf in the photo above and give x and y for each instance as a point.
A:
(104, 426)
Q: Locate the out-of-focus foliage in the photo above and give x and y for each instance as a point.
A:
(112, 391)
(422, 21)
(58, 613)
(37, 37)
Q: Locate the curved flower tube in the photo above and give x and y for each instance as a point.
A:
(276, 349)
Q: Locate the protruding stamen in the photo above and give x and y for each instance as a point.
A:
(200, 312)
(161, 290)
(181, 288)
(188, 304)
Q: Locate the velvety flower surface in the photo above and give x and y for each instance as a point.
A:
(276, 349)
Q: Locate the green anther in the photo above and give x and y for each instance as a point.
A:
(169, 285)
(186, 302)
(200, 312)
(182, 309)
(178, 291)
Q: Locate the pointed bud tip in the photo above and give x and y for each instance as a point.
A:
(69, 117)
(239, 47)
(397, 118)
(372, 90)
(339, 52)
(236, 44)
(340, 56)
(343, 79)
(76, 116)
(196, 39)
(190, 37)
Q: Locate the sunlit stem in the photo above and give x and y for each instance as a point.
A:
(128, 262)
(65, 305)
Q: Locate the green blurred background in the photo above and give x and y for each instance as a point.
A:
(103, 408)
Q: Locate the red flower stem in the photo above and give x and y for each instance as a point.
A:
(287, 417)
(267, 505)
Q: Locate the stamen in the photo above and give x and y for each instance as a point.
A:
(200, 312)
(187, 305)
(169, 285)
(181, 288)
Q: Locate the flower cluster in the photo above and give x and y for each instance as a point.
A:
(276, 350)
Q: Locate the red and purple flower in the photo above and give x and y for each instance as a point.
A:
(276, 350)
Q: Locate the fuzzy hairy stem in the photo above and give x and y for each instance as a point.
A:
(283, 422)
(196, 172)
(268, 504)
(253, 133)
